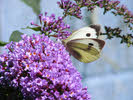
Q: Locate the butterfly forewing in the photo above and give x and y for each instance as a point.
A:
(85, 32)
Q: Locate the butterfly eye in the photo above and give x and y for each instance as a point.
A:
(88, 34)
(90, 44)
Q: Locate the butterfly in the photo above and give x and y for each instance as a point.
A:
(85, 44)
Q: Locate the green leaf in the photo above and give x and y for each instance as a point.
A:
(128, 44)
(33, 28)
(15, 36)
(34, 4)
(3, 43)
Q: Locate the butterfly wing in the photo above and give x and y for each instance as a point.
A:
(85, 32)
(84, 52)
(84, 44)
(92, 31)
(95, 43)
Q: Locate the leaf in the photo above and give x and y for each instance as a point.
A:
(33, 28)
(15, 36)
(3, 43)
(128, 44)
(34, 4)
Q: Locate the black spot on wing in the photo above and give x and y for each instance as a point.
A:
(88, 34)
(90, 44)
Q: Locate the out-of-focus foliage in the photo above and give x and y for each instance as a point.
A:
(2, 43)
(34, 4)
(15, 36)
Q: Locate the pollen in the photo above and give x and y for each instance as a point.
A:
(27, 66)
(47, 75)
(34, 53)
(71, 92)
(36, 65)
(66, 70)
(65, 96)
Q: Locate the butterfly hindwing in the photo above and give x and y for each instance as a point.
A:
(96, 43)
(83, 52)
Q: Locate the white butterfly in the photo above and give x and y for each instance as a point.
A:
(84, 44)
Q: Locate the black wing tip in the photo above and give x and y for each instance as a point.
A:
(97, 27)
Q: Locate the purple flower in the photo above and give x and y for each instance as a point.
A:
(51, 26)
(73, 8)
(70, 8)
(41, 69)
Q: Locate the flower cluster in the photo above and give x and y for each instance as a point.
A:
(115, 32)
(127, 15)
(41, 69)
(70, 8)
(50, 25)
(74, 8)
(108, 5)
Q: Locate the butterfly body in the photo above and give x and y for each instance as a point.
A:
(84, 44)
